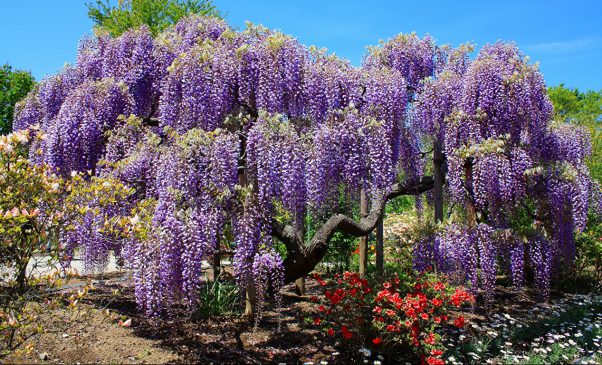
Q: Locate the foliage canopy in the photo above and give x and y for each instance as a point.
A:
(14, 85)
(157, 15)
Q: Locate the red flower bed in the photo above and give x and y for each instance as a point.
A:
(397, 315)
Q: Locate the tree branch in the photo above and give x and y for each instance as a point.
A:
(302, 259)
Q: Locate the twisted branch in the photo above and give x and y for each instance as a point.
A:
(302, 258)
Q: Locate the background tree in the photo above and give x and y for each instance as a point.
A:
(14, 85)
(155, 14)
(585, 109)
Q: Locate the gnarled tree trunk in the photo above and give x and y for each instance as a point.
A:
(438, 174)
(302, 258)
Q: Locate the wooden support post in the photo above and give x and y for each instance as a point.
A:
(250, 300)
(471, 210)
(380, 254)
(438, 181)
(250, 293)
(364, 239)
(216, 264)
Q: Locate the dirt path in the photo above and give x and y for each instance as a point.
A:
(226, 340)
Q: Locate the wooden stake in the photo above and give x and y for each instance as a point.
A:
(216, 265)
(380, 254)
(438, 181)
(250, 300)
(364, 239)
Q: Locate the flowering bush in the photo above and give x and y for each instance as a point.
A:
(40, 213)
(346, 308)
(34, 312)
(412, 319)
(40, 210)
(403, 315)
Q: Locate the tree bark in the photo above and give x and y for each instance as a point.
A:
(250, 300)
(302, 258)
(216, 264)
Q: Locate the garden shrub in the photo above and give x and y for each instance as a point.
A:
(401, 317)
(39, 212)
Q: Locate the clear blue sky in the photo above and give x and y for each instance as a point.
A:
(565, 37)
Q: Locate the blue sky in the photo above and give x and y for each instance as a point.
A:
(565, 37)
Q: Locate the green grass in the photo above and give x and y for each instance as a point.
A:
(218, 298)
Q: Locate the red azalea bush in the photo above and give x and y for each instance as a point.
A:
(403, 315)
(346, 308)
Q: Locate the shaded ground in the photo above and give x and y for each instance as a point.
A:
(229, 340)
(281, 337)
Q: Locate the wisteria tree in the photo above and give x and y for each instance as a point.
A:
(240, 136)
(519, 179)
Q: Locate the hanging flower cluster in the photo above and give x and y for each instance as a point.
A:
(504, 158)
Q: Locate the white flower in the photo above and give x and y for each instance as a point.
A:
(135, 220)
(366, 352)
(474, 355)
